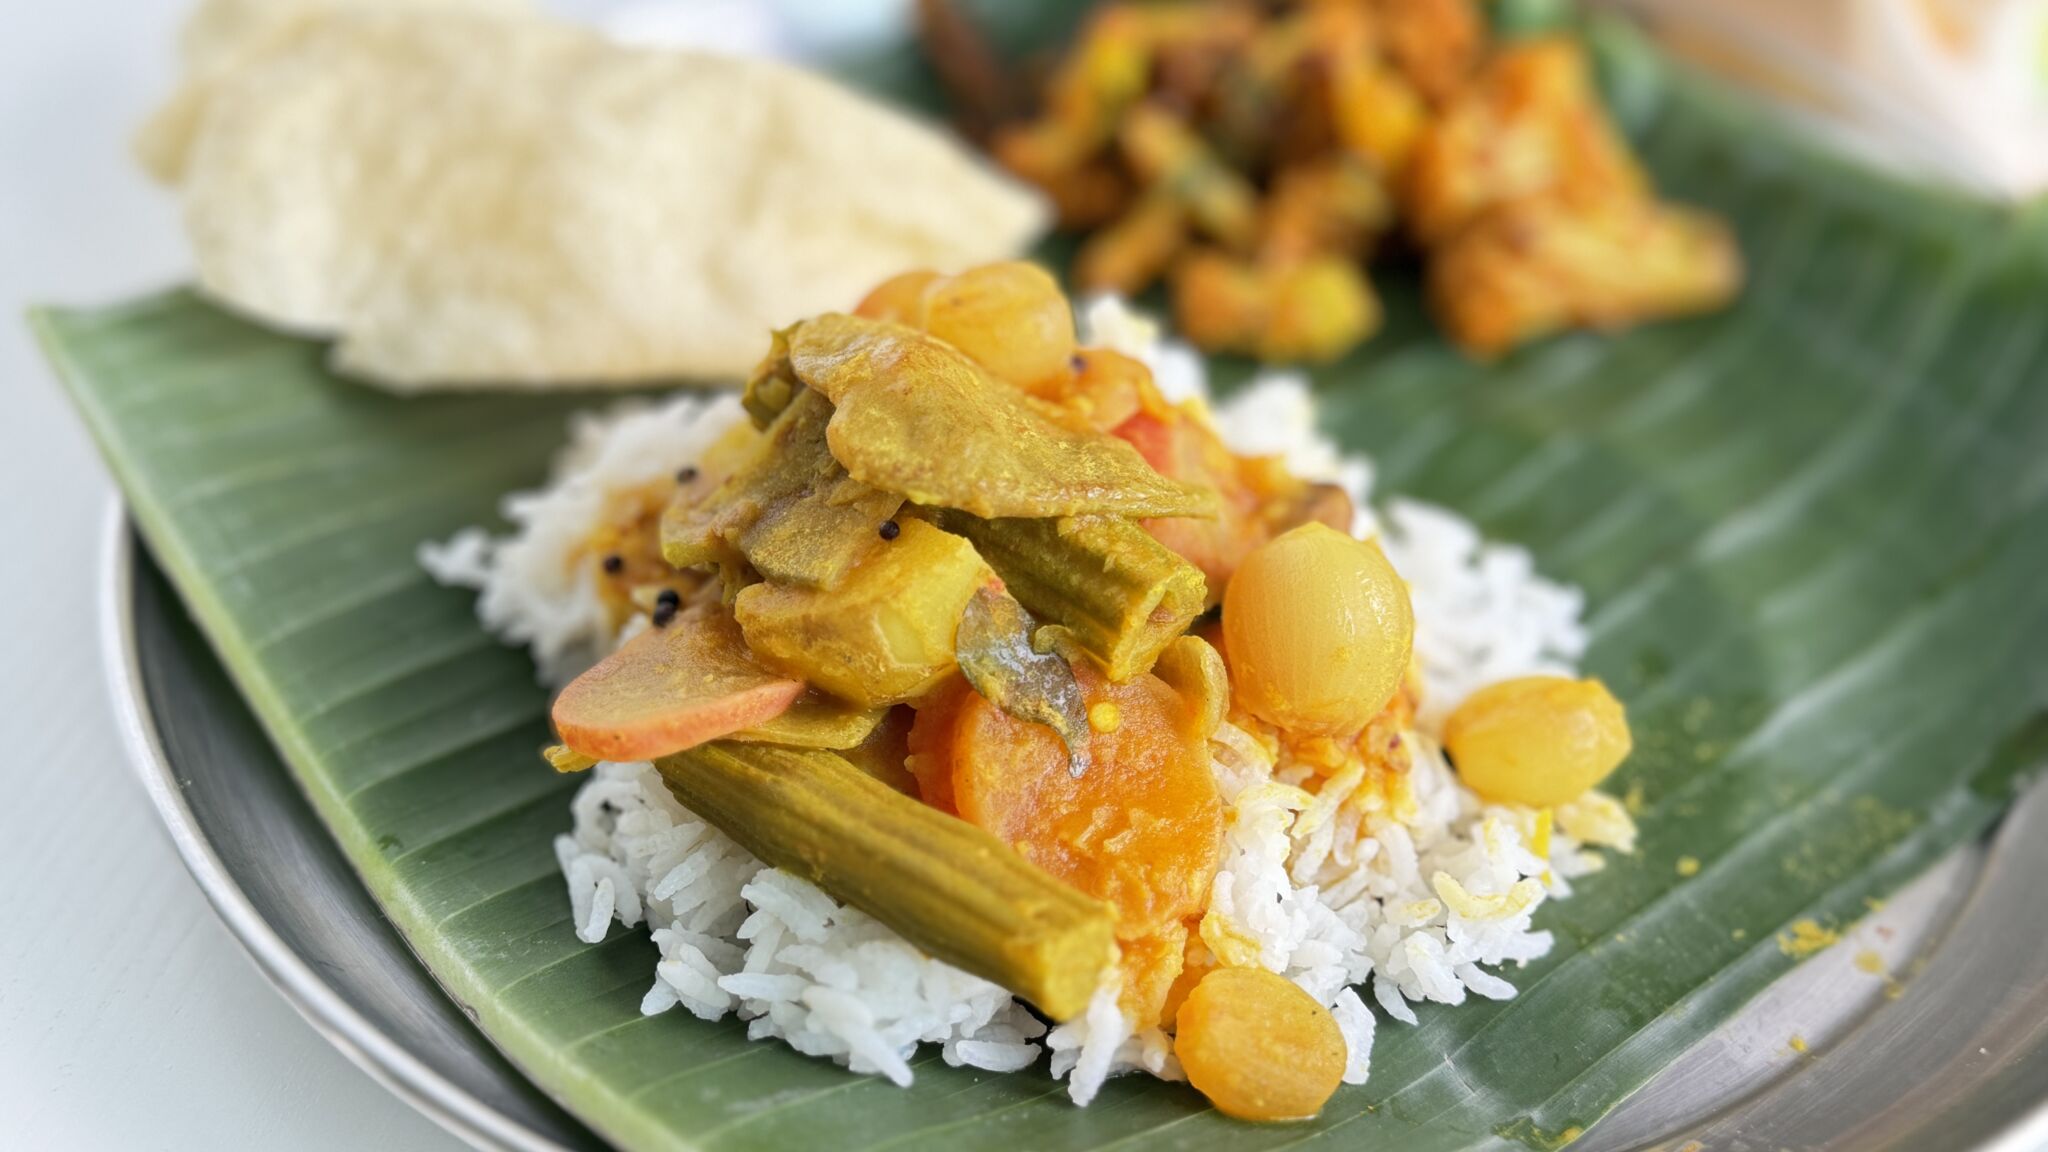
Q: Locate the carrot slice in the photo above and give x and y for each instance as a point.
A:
(1141, 828)
(668, 689)
(931, 741)
(1151, 966)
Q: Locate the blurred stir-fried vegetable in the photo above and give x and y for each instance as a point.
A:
(1258, 156)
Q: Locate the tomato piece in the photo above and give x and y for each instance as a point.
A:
(1257, 497)
(1180, 447)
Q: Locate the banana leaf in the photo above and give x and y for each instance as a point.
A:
(1813, 530)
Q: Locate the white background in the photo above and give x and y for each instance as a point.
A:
(129, 1018)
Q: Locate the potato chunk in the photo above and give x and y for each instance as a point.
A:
(885, 634)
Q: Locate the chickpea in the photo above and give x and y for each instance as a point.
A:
(1258, 1047)
(1318, 630)
(1537, 740)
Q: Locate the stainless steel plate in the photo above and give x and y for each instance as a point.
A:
(1944, 1046)
(280, 882)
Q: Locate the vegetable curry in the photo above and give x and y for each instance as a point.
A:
(949, 630)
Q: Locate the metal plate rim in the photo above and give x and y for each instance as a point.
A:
(387, 1062)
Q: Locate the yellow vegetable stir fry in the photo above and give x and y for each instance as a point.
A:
(1257, 156)
(952, 630)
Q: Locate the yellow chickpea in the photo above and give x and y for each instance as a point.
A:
(1011, 318)
(1537, 740)
(1258, 1047)
(1318, 629)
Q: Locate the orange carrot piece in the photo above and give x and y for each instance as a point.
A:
(1141, 828)
(931, 741)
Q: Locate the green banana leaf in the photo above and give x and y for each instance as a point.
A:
(1813, 531)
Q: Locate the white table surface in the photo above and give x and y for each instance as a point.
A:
(129, 1018)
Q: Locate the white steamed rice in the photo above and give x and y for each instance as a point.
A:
(1424, 899)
